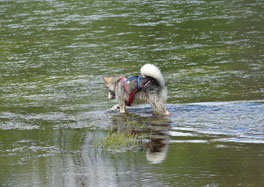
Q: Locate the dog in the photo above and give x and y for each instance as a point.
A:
(149, 88)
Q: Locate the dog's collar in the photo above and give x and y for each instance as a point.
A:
(131, 95)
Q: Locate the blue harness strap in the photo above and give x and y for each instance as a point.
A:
(132, 78)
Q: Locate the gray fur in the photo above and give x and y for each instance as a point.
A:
(153, 93)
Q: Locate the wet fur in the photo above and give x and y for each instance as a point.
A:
(153, 93)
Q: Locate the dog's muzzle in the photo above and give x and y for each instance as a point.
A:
(111, 94)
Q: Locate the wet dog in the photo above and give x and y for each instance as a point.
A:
(149, 88)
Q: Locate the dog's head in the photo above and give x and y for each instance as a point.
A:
(110, 83)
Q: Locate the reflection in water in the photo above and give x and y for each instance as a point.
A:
(155, 127)
(159, 143)
(158, 146)
(59, 156)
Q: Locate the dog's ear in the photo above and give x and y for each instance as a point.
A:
(107, 80)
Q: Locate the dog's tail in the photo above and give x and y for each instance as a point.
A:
(150, 70)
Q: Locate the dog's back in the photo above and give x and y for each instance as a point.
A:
(154, 92)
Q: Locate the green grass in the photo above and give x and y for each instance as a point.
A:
(124, 139)
(130, 135)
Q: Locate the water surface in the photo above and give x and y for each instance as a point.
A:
(53, 103)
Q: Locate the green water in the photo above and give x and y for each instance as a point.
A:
(53, 103)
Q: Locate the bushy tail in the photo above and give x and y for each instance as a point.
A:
(150, 70)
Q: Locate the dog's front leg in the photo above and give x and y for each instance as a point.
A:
(122, 107)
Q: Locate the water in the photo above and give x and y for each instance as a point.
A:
(53, 103)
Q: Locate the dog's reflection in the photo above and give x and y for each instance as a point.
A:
(155, 129)
(158, 146)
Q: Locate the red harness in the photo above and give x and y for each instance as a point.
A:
(131, 95)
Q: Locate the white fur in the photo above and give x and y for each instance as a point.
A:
(150, 70)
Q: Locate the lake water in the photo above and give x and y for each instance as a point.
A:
(53, 102)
